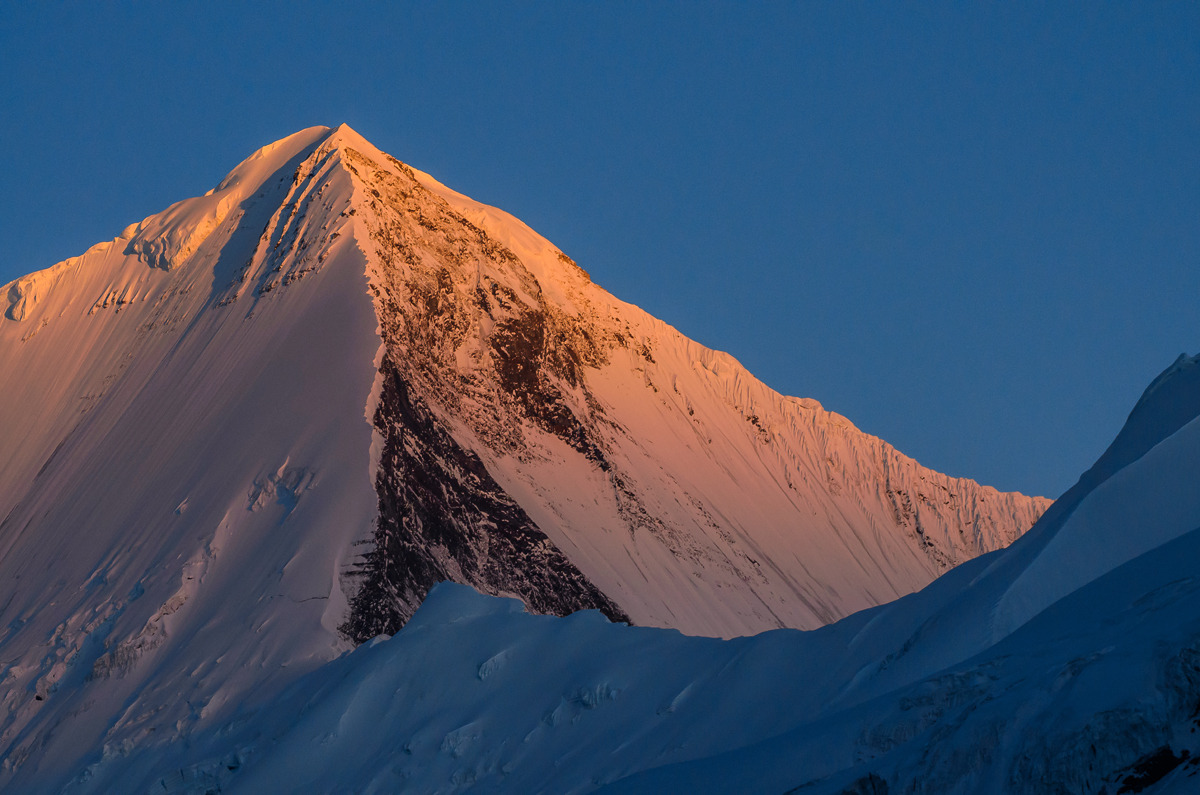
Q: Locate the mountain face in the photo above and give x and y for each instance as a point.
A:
(631, 447)
(259, 426)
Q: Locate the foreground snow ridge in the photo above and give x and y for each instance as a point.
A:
(259, 427)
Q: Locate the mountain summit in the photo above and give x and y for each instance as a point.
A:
(260, 425)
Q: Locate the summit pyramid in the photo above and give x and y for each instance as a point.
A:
(264, 422)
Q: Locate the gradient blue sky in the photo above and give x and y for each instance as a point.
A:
(973, 229)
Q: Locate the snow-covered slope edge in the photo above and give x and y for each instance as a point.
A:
(1098, 692)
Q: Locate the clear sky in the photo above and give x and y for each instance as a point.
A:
(973, 229)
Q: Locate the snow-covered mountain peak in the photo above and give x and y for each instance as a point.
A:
(260, 425)
(607, 426)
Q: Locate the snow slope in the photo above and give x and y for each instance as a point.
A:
(1090, 689)
(183, 481)
(260, 425)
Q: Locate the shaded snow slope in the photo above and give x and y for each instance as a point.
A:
(1098, 692)
(260, 425)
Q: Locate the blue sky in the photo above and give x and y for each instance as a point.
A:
(973, 229)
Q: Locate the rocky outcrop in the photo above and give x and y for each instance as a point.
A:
(442, 517)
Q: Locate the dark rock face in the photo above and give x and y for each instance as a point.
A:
(448, 291)
(442, 517)
(521, 348)
(1151, 769)
(469, 323)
